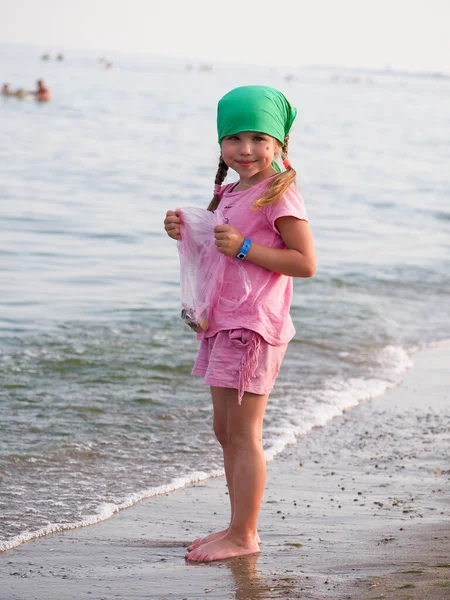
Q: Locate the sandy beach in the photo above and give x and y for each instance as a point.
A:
(356, 509)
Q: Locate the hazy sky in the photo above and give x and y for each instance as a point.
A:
(405, 34)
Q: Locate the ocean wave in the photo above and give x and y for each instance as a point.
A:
(333, 399)
(107, 510)
(337, 396)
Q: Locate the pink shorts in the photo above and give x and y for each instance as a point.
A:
(240, 359)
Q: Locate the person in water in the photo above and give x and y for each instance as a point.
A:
(6, 90)
(19, 93)
(42, 93)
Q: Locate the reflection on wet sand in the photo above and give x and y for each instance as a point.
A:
(249, 582)
(252, 583)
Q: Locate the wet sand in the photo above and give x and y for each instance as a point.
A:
(356, 509)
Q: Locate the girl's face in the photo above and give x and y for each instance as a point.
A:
(250, 154)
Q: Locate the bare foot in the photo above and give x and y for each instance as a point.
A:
(211, 538)
(225, 547)
(208, 538)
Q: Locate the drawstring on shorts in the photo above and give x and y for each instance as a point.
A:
(249, 364)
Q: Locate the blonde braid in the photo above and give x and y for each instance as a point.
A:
(285, 148)
(222, 171)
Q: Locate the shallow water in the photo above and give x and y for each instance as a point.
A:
(98, 405)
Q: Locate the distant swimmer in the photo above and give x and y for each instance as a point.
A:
(42, 94)
(6, 91)
(20, 93)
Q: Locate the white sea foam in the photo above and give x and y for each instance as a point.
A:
(106, 510)
(319, 406)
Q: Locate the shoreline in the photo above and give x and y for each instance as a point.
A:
(349, 397)
(357, 508)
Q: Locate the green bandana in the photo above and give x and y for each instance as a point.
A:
(255, 108)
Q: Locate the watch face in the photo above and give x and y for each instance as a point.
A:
(241, 256)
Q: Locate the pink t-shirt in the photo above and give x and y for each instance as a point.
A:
(266, 309)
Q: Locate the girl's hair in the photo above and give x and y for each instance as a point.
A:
(222, 171)
(274, 190)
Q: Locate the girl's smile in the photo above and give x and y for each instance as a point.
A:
(250, 154)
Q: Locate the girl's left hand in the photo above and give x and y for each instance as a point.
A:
(228, 239)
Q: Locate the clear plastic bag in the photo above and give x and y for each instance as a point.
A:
(202, 268)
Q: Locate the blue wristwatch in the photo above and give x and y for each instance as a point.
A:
(244, 250)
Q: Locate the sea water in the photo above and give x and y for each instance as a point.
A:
(98, 407)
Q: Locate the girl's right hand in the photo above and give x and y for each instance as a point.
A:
(172, 224)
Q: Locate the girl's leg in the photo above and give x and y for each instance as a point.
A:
(244, 436)
(220, 398)
(245, 423)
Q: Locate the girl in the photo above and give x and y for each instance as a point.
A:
(241, 351)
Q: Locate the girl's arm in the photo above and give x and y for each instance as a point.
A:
(298, 259)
